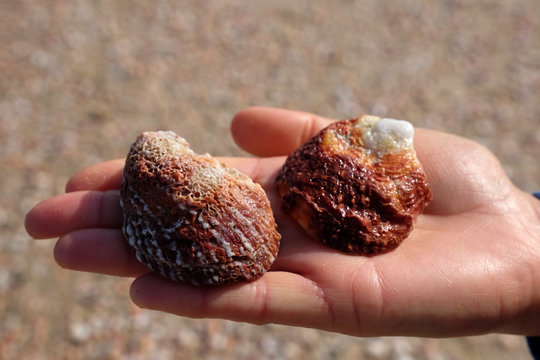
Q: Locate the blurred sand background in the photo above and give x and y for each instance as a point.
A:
(80, 79)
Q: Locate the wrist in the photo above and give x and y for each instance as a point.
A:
(534, 341)
(532, 320)
(523, 304)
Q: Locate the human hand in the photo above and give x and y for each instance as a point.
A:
(468, 267)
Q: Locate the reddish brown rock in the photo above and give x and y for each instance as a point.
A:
(192, 219)
(357, 186)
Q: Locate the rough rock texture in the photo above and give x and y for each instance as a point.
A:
(192, 219)
(357, 186)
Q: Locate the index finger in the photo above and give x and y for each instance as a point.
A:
(264, 131)
(103, 176)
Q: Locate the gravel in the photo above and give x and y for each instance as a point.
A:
(80, 79)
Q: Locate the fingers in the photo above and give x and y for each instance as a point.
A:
(272, 132)
(277, 297)
(103, 251)
(103, 176)
(77, 210)
(261, 170)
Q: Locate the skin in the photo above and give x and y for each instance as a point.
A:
(470, 266)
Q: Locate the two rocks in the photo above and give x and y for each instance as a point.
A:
(356, 186)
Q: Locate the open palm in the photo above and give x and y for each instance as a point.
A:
(468, 267)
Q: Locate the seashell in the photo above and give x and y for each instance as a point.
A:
(357, 185)
(192, 219)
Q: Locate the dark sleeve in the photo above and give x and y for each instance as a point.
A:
(534, 346)
(534, 341)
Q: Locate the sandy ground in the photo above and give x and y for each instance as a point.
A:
(80, 79)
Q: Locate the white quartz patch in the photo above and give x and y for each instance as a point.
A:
(157, 144)
(384, 136)
(209, 176)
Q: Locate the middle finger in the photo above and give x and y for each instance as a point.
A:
(103, 251)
